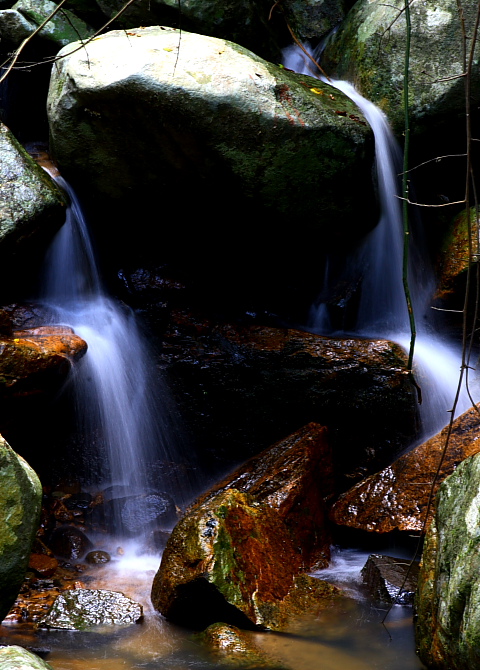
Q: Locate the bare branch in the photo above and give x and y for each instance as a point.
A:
(421, 204)
(436, 159)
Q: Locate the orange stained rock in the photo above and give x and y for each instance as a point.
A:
(396, 498)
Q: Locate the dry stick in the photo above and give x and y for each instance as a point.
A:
(57, 58)
(300, 45)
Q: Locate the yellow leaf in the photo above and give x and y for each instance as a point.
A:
(318, 91)
(167, 49)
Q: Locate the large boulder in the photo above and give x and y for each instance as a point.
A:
(19, 658)
(26, 16)
(232, 560)
(20, 505)
(32, 208)
(397, 497)
(448, 597)
(295, 478)
(369, 50)
(169, 129)
(282, 378)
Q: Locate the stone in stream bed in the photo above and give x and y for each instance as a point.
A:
(231, 559)
(14, 657)
(79, 609)
(390, 580)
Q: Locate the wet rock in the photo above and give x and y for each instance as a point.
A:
(136, 512)
(282, 378)
(21, 659)
(98, 557)
(234, 649)
(296, 172)
(232, 560)
(79, 609)
(69, 542)
(294, 477)
(396, 498)
(390, 580)
(38, 359)
(20, 504)
(42, 565)
(448, 598)
(32, 208)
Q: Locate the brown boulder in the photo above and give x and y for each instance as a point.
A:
(293, 477)
(34, 360)
(396, 498)
(232, 560)
(283, 378)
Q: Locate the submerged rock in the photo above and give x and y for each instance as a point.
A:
(396, 498)
(232, 560)
(448, 597)
(294, 477)
(390, 580)
(233, 648)
(69, 542)
(20, 505)
(79, 609)
(19, 658)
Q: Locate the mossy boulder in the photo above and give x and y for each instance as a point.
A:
(62, 28)
(19, 658)
(369, 50)
(158, 126)
(232, 560)
(448, 597)
(20, 505)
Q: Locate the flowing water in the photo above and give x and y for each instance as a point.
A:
(382, 309)
(122, 410)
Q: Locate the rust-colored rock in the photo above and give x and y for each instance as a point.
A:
(42, 565)
(34, 359)
(293, 477)
(396, 498)
(232, 560)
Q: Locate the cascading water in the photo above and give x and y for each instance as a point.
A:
(382, 310)
(116, 401)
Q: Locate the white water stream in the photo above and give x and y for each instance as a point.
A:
(382, 310)
(119, 408)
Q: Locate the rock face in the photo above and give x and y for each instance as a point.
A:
(21, 659)
(396, 498)
(284, 378)
(79, 609)
(294, 477)
(369, 50)
(232, 560)
(20, 504)
(32, 207)
(241, 136)
(448, 597)
(390, 580)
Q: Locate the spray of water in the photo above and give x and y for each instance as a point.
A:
(118, 406)
(382, 310)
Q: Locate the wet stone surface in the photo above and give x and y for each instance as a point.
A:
(390, 580)
(79, 609)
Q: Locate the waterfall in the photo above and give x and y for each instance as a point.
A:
(116, 401)
(382, 310)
